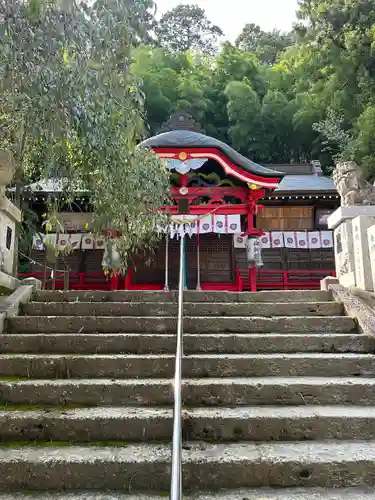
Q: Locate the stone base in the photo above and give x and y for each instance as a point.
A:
(352, 257)
(347, 213)
(344, 254)
(347, 280)
(8, 283)
(326, 282)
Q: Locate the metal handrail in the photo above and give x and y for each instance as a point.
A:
(176, 479)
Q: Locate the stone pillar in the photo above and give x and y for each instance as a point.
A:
(362, 261)
(10, 215)
(371, 244)
(352, 259)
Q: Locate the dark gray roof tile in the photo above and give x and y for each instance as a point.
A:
(305, 183)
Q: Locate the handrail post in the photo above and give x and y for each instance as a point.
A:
(176, 479)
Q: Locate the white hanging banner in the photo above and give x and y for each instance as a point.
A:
(302, 242)
(313, 238)
(75, 241)
(326, 239)
(87, 242)
(191, 226)
(220, 224)
(234, 223)
(265, 240)
(205, 224)
(239, 241)
(63, 241)
(290, 240)
(277, 239)
(99, 243)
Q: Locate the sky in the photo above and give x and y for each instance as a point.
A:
(232, 15)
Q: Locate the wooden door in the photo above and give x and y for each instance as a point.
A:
(217, 258)
(149, 267)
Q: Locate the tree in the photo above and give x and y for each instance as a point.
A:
(172, 82)
(186, 27)
(266, 45)
(341, 36)
(244, 113)
(72, 109)
(249, 37)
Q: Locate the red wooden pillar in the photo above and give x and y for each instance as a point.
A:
(128, 279)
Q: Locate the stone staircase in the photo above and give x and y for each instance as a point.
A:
(278, 392)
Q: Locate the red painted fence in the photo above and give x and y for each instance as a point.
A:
(266, 280)
(291, 280)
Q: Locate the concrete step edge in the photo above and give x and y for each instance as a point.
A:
(207, 304)
(355, 493)
(318, 452)
(211, 356)
(196, 335)
(243, 413)
(306, 295)
(285, 381)
(191, 318)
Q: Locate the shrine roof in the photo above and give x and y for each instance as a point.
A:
(306, 183)
(189, 139)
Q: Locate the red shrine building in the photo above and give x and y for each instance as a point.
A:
(221, 201)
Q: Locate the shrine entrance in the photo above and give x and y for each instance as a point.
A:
(216, 260)
(214, 192)
(216, 255)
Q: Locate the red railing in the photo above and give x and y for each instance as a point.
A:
(77, 281)
(291, 280)
(266, 280)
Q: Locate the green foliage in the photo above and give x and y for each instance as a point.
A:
(244, 110)
(277, 97)
(266, 45)
(77, 81)
(186, 27)
(72, 108)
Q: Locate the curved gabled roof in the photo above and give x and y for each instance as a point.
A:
(189, 139)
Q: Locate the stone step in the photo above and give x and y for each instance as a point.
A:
(123, 366)
(243, 494)
(228, 465)
(195, 392)
(145, 343)
(192, 309)
(189, 296)
(131, 324)
(110, 424)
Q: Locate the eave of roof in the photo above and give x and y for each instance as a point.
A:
(179, 139)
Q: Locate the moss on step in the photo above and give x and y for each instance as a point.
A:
(58, 444)
(26, 407)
